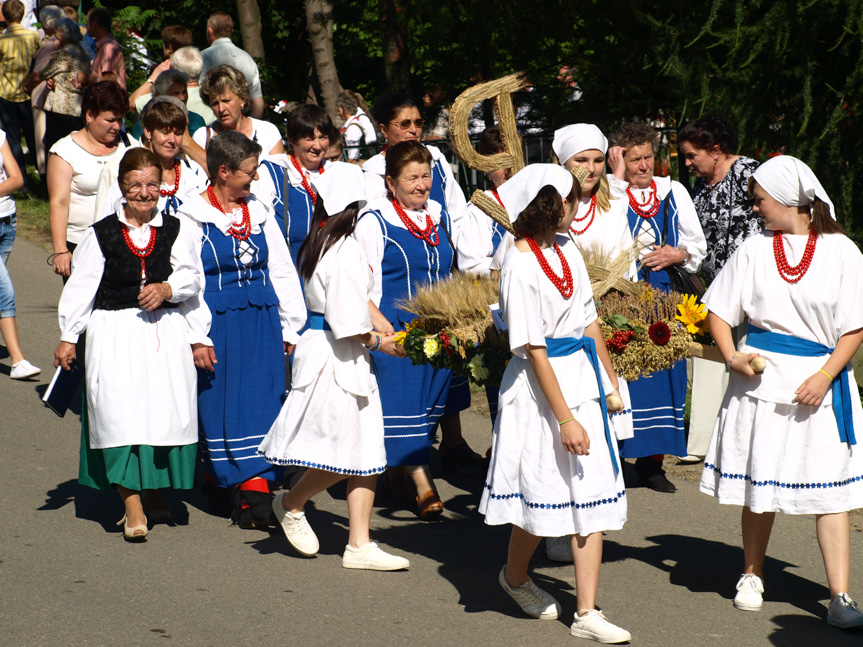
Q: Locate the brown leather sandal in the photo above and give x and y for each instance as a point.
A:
(429, 505)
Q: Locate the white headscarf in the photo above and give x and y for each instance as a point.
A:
(339, 185)
(790, 182)
(575, 138)
(522, 187)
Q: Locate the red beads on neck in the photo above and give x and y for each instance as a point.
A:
(172, 192)
(429, 234)
(140, 252)
(562, 283)
(788, 273)
(649, 207)
(239, 231)
(304, 180)
(591, 213)
(497, 197)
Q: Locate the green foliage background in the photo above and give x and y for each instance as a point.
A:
(788, 73)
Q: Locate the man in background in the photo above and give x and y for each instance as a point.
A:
(222, 51)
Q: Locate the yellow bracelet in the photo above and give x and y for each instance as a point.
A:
(826, 373)
(563, 422)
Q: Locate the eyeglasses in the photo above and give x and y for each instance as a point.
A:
(404, 124)
(251, 173)
(136, 188)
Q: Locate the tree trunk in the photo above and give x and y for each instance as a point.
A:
(397, 66)
(319, 24)
(250, 27)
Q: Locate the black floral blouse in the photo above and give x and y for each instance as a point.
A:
(725, 213)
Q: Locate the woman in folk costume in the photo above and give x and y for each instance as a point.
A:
(332, 421)
(254, 315)
(554, 466)
(600, 224)
(404, 242)
(785, 439)
(663, 222)
(399, 120)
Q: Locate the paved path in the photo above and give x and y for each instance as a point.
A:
(67, 578)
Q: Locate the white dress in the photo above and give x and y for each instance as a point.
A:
(478, 239)
(766, 452)
(608, 234)
(145, 392)
(533, 482)
(263, 132)
(332, 419)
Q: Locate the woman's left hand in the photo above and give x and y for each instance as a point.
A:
(663, 256)
(289, 348)
(152, 296)
(813, 390)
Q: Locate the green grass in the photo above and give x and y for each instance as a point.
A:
(32, 210)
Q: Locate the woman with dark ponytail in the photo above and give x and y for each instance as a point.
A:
(332, 421)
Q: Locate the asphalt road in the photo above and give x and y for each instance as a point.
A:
(67, 578)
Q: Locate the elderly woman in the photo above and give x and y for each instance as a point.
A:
(785, 438)
(140, 377)
(662, 220)
(82, 167)
(404, 240)
(164, 128)
(399, 119)
(172, 83)
(38, 88)
(226, 91)
(254, 313)
(62, 104)
(724, 207)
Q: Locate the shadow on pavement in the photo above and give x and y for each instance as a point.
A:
(803, 631)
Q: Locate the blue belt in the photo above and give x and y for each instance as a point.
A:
(787, 345)
(317, 322)
(569, 345)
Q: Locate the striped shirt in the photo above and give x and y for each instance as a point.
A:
(17, 47)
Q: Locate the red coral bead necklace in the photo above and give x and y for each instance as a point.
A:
(562, 283)
(497, 197)
(787, 272)
(429, 234)
(172, 192)
(239, 231)
(305, 180)
(140, 252)
(591, 213)
(648, 208)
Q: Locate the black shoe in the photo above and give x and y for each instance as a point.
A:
(253, 510)
(659, 483)
(219, 500)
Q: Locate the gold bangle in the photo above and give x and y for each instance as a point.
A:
(825, 373)
(563, 422)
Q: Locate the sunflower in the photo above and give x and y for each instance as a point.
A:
(693, 315)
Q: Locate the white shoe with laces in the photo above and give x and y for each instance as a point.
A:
(750, 593)
(559, 549)
(296, 528)
(24, 369)
(593, 625)
(533, 600)
(844, 612)
(370, 557)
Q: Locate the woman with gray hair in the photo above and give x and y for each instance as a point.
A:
(63, 101)
(35, 86)
(226, 91)
(254, 315)
(189, 61)
(172, 83)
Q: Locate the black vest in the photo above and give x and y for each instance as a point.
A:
(121, 280)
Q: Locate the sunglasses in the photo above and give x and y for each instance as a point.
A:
(404, 124)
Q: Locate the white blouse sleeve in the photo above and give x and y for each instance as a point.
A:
(347, 305)
(187, 271)
(456, 204)
(286, 282)
(520, 304)
(474, 242)
(370, 237)
(194, 309)
(79, 293)
(113, 198)
(376, 187)
(690, 234)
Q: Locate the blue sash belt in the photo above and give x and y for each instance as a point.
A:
(317, 322)
(787, 345)
(570, 345)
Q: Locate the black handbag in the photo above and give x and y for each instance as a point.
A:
(681, 281)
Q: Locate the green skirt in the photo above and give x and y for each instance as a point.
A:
(135, 467)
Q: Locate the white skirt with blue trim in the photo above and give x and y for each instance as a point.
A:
(783, 458)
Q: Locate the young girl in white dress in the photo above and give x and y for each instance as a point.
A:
(554, 466)
(785, 437)
(332, 422)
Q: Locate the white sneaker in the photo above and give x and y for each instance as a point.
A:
(844, 612)
(24, 369)
(595, 626)
(533, 600)
(296, 527)
(372, 558)
(750, 592)
(559, 549)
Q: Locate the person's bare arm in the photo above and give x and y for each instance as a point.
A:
(60, 175)
(256, 107)
(194, 151)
